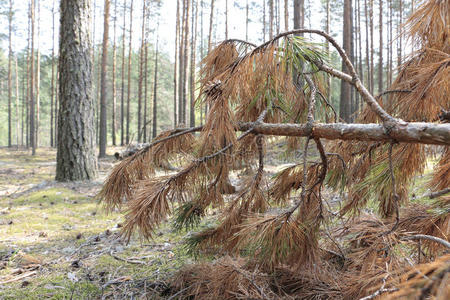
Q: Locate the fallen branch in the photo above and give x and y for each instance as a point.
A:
(427, 237)
(134, 262)
(20, 277)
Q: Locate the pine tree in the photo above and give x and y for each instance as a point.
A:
(103, 90)
(76, 158)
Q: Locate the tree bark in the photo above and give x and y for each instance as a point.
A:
(31, 74)
(270, 19)
(114, 88)
(345, 101)
(141, 73)
(192, 72)
(129, 74)
(175, 69)
(380, 61)
(122, 93)
(286, 15)
(76, 158)
(155, 90)
(299, 14)
(10, 74)
(211, 16)
(52, 84)
(103, 91)
(38, 76)
(425, 133)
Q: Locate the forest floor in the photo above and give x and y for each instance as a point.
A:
(58, 242)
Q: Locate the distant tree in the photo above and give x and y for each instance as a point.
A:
(76, 158)
(127, 139)
(32, 84)
(52, 85)
(114, 87)
(103, 91)
(10, 54)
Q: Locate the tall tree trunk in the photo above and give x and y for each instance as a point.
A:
(24, 101)
(103, 91)
(122, 93)
(155, 89)
(270, 19)
(372, 80)
(380, 60)
(129, 74)
(56, 105)
(193, 52)
(211, 17)
(400, 37)
(141, 74)
(226, 19)
(114, 88)
(299, 14)
(17, 105)
(76, 138)
(10, 74)
(391, 43)
(147, 30)
(182, 63)
(327, 45)
(264, 20)
(345, 104)
(38, 75)
(286, 14)
(361, 72)
(52, 84)
(186, 60)
(32, 106)
(175, 69)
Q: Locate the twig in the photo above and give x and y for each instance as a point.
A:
(20, 277)
(427, 237)
(177, 294)
(438, 193)
(380, 290)
(135, 262)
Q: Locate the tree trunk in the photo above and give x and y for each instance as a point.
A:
(193, 52)
(270, 19)
(17, 105)
(38, 76)
(155, 89)
(146, 73)
(129, 74)
(345, 101)
(286, 14)
(141, 74)
(103, 91)
(299, 14)
(114, 88)
(327, 45)
(372, 83)
(52, 84)
(380, 61)
(10, 74)
(186, 60)
(211, 16)
(32, 108)
(175, 78)
(76, 137)
(226, 19)
(122, 94)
